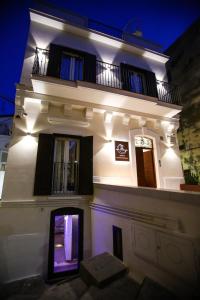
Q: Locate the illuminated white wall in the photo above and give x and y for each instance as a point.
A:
(2, 173)
(23, 150)
(42, 35)
(4, 142)
(24, 236)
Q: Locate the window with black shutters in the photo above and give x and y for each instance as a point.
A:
(138, 80)
(71, 64)
(45, 165)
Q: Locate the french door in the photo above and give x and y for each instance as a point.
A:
(65, 171)
(71, 67)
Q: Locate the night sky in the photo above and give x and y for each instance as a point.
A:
(161, 21)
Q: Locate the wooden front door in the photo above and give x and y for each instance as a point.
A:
(145, 167)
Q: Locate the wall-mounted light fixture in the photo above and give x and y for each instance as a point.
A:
(171, 139)
(20, 112)
(170, 128)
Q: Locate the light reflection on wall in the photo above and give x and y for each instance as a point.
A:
(108, 130)
(27, 143)
(32, 108)
(170, 154)
(105, 40)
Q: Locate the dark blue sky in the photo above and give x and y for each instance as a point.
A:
(161, 21)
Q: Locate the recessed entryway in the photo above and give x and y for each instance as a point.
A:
(65, 242)
(145, 162)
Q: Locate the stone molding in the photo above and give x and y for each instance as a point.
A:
(54, 201)
(160, 221)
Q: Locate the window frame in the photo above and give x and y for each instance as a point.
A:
(54, 213)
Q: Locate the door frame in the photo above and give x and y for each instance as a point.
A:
(156, 153)
(57, 212)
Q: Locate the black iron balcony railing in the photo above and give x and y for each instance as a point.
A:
(168, 93)
(40, 61)
(65, 178)
(110, 75)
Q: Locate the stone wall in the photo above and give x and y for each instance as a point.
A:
(184, 69)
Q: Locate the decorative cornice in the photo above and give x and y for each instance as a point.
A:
(64, 121)
(159, 221)
(27, 91)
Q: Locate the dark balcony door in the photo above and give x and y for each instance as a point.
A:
(71, 64)
(71, 67)
(65, 242)
(136, 82)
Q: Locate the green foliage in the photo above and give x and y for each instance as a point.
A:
(191, 178)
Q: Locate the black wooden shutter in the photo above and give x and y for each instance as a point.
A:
(151, 85)
(86, 166)
(55, 53)
(125, 77)
(44, 165)
(89, 71)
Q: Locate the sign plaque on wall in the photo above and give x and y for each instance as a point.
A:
(121, 151)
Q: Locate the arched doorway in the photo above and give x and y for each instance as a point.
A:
(65, 242)
(145, 161)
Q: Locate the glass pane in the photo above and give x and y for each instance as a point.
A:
(71, 68)
(65, 175)
(72, 178)
(143, 142)
(136, 83)
(78, 69)
(65, 67)
(66, 243)
(59, 166)
(3, 156)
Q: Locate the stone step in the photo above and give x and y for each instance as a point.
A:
(102, 269)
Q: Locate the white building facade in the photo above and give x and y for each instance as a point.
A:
(98, 109)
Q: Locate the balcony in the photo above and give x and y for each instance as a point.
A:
(109, 86)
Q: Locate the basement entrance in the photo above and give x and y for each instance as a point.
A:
(65, 241)
(145, 162)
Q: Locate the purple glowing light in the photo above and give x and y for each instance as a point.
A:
(66, 243)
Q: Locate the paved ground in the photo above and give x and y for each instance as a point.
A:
(103, 277)
(35, 289)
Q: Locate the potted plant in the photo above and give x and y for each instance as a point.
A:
(191, 182)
